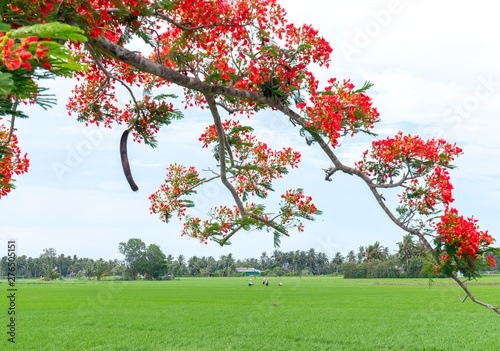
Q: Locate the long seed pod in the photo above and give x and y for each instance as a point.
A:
(125, 164)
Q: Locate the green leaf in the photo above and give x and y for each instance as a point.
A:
(304, 46)
(364, 88)
(6, 83)
(277, 239)
(310, 135)
(164, 96)
(4, 27)
(53, 30)
(167, 4)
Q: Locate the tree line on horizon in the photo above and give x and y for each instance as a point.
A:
(150, 262)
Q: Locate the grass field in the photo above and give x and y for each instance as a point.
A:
(316, 313)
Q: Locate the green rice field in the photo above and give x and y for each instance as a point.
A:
(313, 313)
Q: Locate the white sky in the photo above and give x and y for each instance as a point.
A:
(435, 69)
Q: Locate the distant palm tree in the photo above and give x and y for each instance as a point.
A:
(337, 261)
(376, 252)
(180, 259)
(321, 261)
(51, 273)
(419, 249)
(100, 269)
(407, 248)
(229, 263)
(294, 259)
(351, 256)
(263, 260)
(302, 260)
(194, 265)
(361, 254)
(311, 258)
(278, 258)
(89, 270)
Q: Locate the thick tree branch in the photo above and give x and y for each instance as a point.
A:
(143, 64)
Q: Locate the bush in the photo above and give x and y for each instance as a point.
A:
(278, 272)
(306, 272)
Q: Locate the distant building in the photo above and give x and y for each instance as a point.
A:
(248, 271)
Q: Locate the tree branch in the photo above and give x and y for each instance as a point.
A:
(466, 289)
(111, 76)
(12, 121)
(126, 56)
(269, 223)
(225, 238)
(222, 154)
(204, 181)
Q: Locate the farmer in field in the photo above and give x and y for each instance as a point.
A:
(250, 283)
(267, 282)
(263, 281)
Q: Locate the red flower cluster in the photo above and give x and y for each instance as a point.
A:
(420, 163)
(420, 167)
(254, 164)
(95, 102)
(11, 161)
(294, 206)
(389, 156)
(491, 261)
(222, 221)
(14, 55)
(93, 14)
(463, 233)
(180, 181)
(339, 110)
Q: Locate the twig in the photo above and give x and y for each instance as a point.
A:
(466, 289)
(204, 181)
(329, 172)
(111, 76)
(225, 238)
(229, 110)
(268, 223)
(12, 121)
